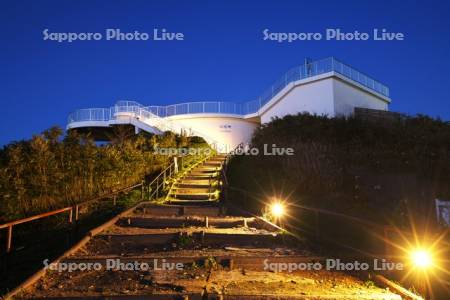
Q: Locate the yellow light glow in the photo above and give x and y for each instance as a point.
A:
(277, 209)
(421, 258)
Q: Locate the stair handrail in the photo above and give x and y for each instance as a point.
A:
(141, 113)
(73, 211)
(223, 173)
(185, 172)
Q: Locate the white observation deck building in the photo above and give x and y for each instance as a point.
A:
(323, 87)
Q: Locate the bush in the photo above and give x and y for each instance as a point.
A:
(370, 169)
(51, 171)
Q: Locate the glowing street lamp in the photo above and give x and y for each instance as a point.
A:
(422, 261)
(421, 258)
(277, 209)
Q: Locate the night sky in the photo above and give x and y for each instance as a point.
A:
(223, 55)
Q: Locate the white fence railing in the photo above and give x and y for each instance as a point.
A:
(304, 71)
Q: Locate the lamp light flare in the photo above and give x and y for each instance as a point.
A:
(421, 258)
(277, 209)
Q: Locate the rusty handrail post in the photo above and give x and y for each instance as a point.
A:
(142, 190)
(9, 239)
(157, 187)
(70, 215)
(164, 178)
(76, 212)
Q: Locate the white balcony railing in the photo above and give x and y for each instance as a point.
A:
(302, 72)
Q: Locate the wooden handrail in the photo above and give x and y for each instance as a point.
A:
(54, 212)
(35, 217)
(109, 194)
(9, 225)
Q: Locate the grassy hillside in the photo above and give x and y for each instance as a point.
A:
(51, 171)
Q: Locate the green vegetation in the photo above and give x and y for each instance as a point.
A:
(52, 171)
(369, 284)
(376, 170)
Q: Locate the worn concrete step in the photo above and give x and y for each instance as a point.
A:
(206, 168)
(176, 210)
(177, 222)
(198, 202)
(192, 196)
(201, 172)
(195, 181)
(212, 164)
(132, 243)
(192, 185)
(192, 190)
(217, 158)
(187, 221)
(255, 262)
(161, 222)
(120, 284)
(199, 176)
(193, 239)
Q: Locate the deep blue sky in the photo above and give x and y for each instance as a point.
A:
(223, 56)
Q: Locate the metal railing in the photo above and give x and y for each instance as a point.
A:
(187, 164)
(157, 187)
(304, 71)
(138, 111)
(73, 212)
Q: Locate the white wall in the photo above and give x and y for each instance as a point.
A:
(325, 95)
(315, 97)
(229, 130)
(347, 97)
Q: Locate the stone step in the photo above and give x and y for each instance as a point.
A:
(208, 167)
(197, 181)
(210, 164)
(244, 260)
(203, 172)
(194, 184)
(175, 210)
(200, 176)
(118, 244)
(183, 190)
(192, 196)
(198, 202)
(181, 222)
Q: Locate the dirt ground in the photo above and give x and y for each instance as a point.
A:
(311, 285)
(107, 283)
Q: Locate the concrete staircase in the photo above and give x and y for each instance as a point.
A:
(200, 184)
(188, 252)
